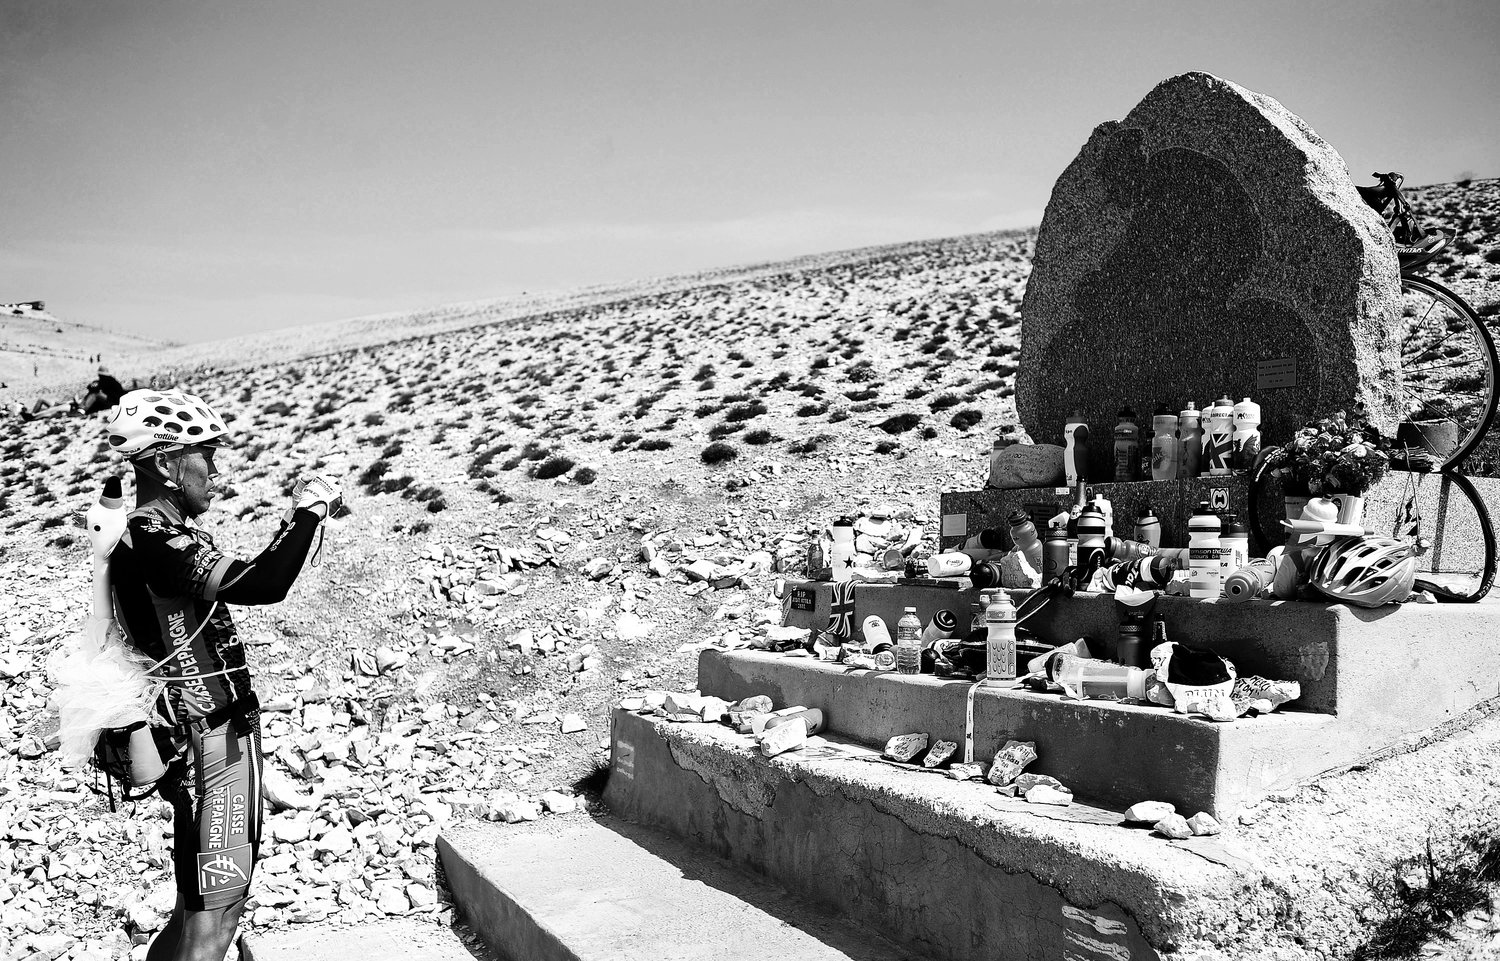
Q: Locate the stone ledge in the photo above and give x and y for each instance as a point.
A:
(954, 870)
(1113, 754)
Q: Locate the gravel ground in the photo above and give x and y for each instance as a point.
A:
(487, 598)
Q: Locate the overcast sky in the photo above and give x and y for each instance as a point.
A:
(193, 170)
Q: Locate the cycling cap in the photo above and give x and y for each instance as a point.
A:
(150, 420)
(1365, 571)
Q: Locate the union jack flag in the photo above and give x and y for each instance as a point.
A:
(841, 613)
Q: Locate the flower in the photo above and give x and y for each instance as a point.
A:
(1335, 455)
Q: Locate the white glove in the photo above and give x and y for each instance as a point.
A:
(318, 489)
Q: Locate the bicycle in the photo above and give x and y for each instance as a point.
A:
(1447, 398)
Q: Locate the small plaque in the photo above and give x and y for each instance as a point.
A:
(955, 525)
(1276, 372)
(804, 598)
(1218, 498)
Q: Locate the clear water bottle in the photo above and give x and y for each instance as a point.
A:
(909, 643)
(1189, 442)
(1000, 638)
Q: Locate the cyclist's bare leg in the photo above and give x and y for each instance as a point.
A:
(198, 935)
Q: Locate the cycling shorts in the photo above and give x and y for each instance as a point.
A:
(216, 800)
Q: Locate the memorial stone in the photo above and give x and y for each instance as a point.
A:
(1210, 244)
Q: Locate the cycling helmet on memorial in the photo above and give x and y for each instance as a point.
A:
(148, 420)
(1365, 571)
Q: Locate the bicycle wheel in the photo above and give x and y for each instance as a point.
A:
(1445, 515)
(1448, 381)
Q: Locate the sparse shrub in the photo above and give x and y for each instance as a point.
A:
(1492, 255)
(886, 446)
(966, 418)
(820, 363)
(723, 430)
(654, 443)
(374, 419)
(552, 467)
(392, 449)
(705, 372)
(900, 423)
(718, 453)
(758, 437)
(706, 410)
(278, 408)
(929, 432)
(838, 414)
(943, 402)
(585, 475)
(867, 394)
(808, 444)
(811, 410)
(916, 392)
(624, 440)
(859, 372)
(372, 474)
(745, 412)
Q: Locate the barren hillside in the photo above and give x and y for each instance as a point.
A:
(528, 490)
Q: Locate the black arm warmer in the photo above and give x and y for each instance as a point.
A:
(267, 578)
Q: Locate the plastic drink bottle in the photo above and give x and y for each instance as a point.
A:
(985, 542)
(1246, 434)
(909, 643)
(1090, 539)
(1087, 677)
(1000, 638)
(1076, 450)
(841, 555)
(1148, 528)
(810, 715)
(1127, 446)
(1203, 553)
(942, 625)
(1163, 445)
(1054, 554)
(1131, 651)
(1123, 549)
(1235, 546)
(1023, 535)
(1218, 447)
(1103, 506)
(1250, 579)
(1189, 442)
(985, 574)
(949, 564)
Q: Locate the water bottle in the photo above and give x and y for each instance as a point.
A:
(841, 555)
(909, 643)
(1103, 506)
(1235, 546)
(1090, 539)
(1203, 553)
(1086, 677)
(1246, 434)
(1076, 450)
(1023, 535)
(1250, 579)
(949, 564)
(942, 625)
(1148, 528)
(985, 542)
(1127, 446)
(1000, 638)
(1054, 554)
(1189, 442)
(1121, 549)
(1131, 651)
(1164, 444)
(1218, 447)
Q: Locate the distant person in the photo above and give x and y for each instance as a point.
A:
(104, 393)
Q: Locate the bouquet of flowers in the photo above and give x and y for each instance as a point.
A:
(1336, 455)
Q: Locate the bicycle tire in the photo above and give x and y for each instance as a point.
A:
(1468, 395)
(1486, 575)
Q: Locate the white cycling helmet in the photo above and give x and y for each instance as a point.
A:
(1365, 571)
(150, 420)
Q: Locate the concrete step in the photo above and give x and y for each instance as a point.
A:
(1112, 753)
(605, 890)
(391, 940)
(952, 869)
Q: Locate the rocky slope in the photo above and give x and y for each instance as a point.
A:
(547, 511)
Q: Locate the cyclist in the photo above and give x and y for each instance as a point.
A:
(170, 587)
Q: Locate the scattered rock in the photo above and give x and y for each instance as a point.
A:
(1149, 812)
(1174, 826)
(1010, 761)
(905, 747)
(1046, 794)
(1204, 824)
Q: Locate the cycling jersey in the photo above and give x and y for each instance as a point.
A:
(171, 584)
